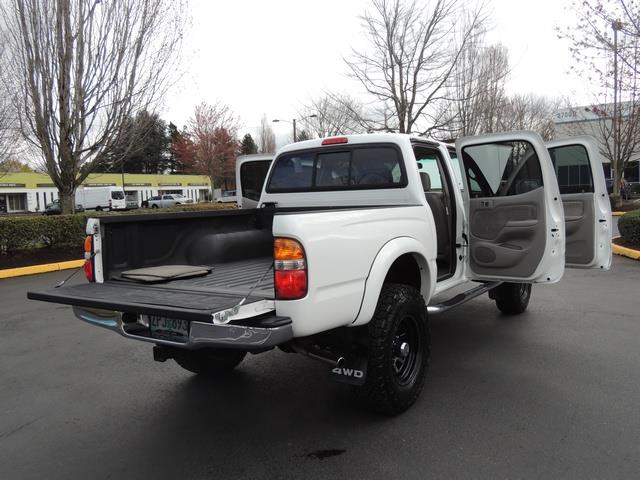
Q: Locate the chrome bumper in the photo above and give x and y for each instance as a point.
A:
(200, 334)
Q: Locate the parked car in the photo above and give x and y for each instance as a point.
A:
(624, 192)
(145, 203)
(54, 208)
(131, 202)
(227, 196)
(170, 200)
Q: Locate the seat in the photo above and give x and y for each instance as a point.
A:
(440, 220)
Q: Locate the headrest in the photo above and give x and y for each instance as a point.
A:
(426, 181)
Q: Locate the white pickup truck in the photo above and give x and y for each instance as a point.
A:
(353, 239)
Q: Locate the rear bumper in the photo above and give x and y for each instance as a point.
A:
(266, 333)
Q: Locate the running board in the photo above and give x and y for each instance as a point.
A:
(462, 298)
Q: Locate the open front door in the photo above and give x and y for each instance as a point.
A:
(587, 211)
(514, 211)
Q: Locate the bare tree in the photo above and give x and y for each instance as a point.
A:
(80, 68)
(8, 122)
(605, 42)
(8, 132)
(528, 112)
(266, 137)
(411, 57)
(335, 114)
(212, 130)
(477, 92)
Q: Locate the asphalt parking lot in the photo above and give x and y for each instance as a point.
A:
(553, 393)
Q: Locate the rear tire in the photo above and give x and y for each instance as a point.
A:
(398, 352)
(209, 361)
(98, 208)
(512, 298)
(154, 206)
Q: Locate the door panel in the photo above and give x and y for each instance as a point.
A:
(578, 168)
(516, 224)
(579, 221)
(507, 237)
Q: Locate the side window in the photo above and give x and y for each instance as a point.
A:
(502, 169)
(429, 164)
(571, 164)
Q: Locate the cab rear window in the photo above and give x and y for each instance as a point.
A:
(356, 168)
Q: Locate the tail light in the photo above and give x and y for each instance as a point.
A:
(290, 267)
(88, 259)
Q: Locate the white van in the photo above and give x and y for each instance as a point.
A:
(101, 198)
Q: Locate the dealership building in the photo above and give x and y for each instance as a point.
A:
(589, 120)
(31, 192)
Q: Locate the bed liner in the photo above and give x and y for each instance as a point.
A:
(191, 299)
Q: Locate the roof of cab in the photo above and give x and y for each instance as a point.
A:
(360, 139)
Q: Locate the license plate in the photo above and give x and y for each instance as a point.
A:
(170, 329)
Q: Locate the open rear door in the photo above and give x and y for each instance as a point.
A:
(587, 210)
(514, 211)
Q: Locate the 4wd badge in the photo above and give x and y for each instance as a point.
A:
(347, 374)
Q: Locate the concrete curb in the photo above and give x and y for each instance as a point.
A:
(625, 251)
(35, 269)
(617, 214)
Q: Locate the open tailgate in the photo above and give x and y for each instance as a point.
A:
(154, 300)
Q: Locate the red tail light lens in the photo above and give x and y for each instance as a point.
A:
(290, 266)
(88, 259)
(290, 284)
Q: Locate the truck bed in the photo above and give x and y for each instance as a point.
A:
(191, 299)
(236, 244)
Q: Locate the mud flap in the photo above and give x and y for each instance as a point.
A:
(351, 370)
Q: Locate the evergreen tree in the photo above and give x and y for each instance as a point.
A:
(248, 146)
(180, 151)
(302, 136)
(142, 146)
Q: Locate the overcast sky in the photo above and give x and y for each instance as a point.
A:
(268, 57)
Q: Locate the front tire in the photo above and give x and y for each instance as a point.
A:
(512, 298)
(398, 351)
(209, 361)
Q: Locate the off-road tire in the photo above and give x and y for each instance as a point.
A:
(394, 382)
(209, 361)
(512, 298)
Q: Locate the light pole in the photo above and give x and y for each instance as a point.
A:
(615, 25)
(293, 122)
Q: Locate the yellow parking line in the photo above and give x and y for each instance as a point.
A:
(35, 269)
